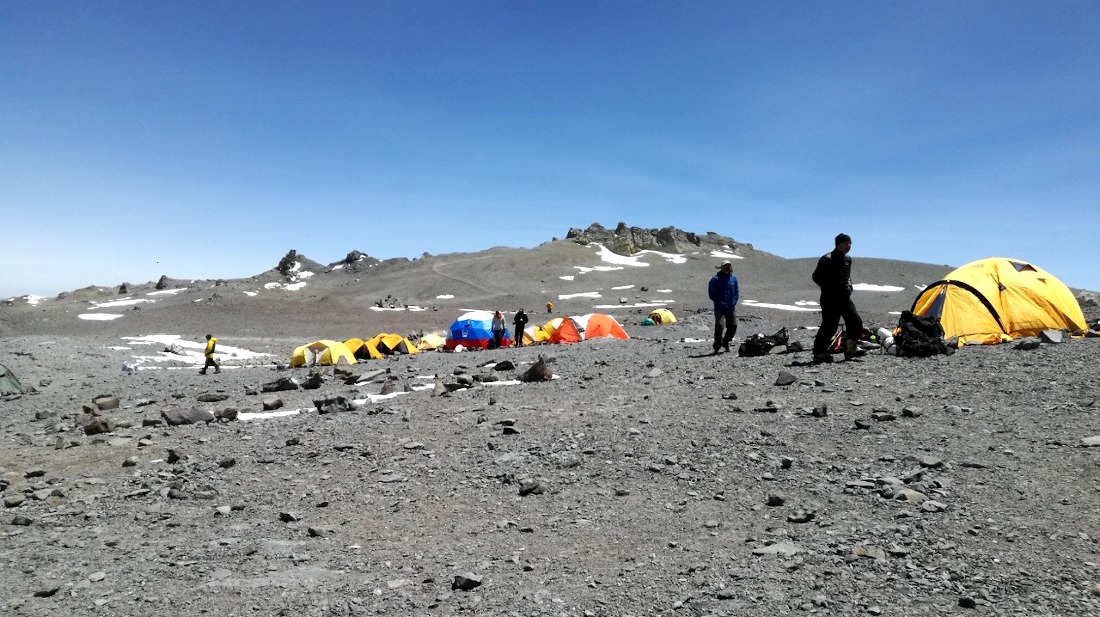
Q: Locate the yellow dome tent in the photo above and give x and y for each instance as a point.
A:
(321, 352)
(431, 342)
(388, 344)
(551, 325)
(662, 316)
(997, 299)
(359, 348)
(533, 335)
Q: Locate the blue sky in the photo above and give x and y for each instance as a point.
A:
(206, 139)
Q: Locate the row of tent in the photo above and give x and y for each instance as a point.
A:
(473, 330)
(988, 301)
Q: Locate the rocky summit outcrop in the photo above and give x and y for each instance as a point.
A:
(624, 240)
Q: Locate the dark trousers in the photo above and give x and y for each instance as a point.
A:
(519, 335)
(498, 338)
(725, 326)
(211, 362)
(832, 310)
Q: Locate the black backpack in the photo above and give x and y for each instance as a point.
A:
(760, 345)
(920, 336)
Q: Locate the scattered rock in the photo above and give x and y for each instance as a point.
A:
(539, 371)
(178, 415)
(212, 397)
(870, 552)
(783, 549)
(466, 581)
(105, 402)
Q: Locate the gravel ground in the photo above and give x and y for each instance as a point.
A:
(648, 477)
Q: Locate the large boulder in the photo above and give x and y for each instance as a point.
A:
(177, 415)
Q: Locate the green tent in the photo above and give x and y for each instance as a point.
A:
(8, 383)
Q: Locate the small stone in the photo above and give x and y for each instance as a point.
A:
(530, 487)
(785, 379)
(775, 500)
(967, 602)
(908, 494)
(785, 549)
(21, 521)
(933, 506)
(870, 552)
(932, 462)
(466, 581)
(800, 516)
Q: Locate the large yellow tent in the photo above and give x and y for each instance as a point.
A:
(321, 352)
(997, 299)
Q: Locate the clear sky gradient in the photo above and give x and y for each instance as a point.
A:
(204, 139)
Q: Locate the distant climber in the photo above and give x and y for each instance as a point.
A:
(520, 320)
(211, 343)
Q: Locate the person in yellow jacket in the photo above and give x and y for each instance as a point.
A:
(211, 342)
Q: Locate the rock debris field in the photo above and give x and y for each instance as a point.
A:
(646, 477)
(638, 477)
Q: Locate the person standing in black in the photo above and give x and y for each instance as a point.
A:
(834, 276)
(521, 322)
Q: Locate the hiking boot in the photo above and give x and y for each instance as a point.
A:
(203, 372)
(217, 370)
(822, 358)
(853, 350)
(717, 350)
(726, 346)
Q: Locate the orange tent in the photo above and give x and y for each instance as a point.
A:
(584, 327)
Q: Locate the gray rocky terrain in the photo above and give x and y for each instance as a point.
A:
(647, 477)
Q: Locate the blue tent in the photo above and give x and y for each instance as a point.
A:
(474, 330)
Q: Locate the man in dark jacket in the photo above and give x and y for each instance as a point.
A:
(724, 293)
(521, 322)
(834, 276)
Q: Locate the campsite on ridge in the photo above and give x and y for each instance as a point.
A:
(633, 474)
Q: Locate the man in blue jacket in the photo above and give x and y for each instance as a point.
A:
(724, 293)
